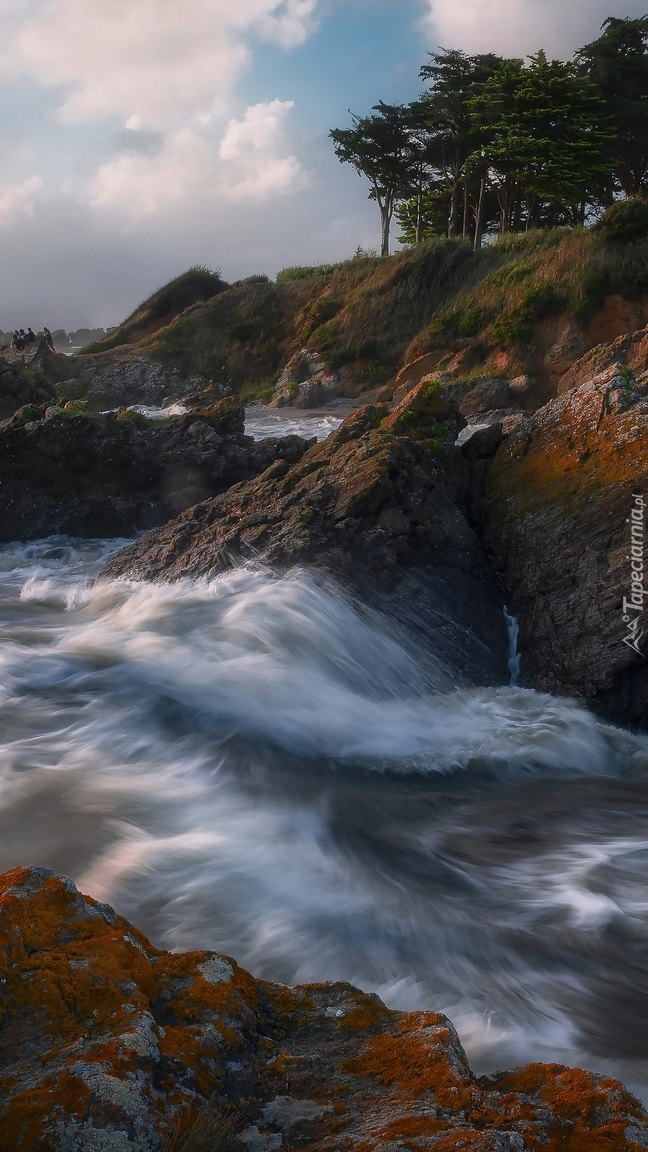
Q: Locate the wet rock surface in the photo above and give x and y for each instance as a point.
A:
(382, 505)
(111, 1043)
(64, 470)
(564, 492)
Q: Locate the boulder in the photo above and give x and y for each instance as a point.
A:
(565, 517)
(110, 1043)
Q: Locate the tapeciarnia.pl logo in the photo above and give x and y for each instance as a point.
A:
(633, 605)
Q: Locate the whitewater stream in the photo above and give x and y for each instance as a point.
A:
(254, 764)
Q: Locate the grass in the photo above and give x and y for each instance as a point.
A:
(198, 1130)
(194, 286)
(258, 391)
(371, 314)
(527, 276)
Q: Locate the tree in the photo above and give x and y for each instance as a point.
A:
(547, 142)
(617, 63)
(424, 216)
(454, 133)
(380, 148)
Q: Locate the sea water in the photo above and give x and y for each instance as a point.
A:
(255, 764)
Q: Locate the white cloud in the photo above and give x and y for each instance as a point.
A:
(252, 168)
(149, 62)
(140, 185)
(191, 169)
(521, 27)
(17, 200)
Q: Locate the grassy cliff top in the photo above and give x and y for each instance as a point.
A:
(373, 314)
(192, 287)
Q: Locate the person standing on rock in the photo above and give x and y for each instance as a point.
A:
(47, 336)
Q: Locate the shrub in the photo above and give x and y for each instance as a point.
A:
(625, 220)
(257, 391)
(305, 272)
(512, 326)
(375, 372)
(127, 416)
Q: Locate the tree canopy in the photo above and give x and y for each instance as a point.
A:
(502, 144)
(381, 148)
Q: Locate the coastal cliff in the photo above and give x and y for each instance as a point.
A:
(565, 514)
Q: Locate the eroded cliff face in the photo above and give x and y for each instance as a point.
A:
(109, 1043)
(565, 513)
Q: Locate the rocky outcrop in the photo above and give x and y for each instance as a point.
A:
(110, 1043)
(565, 514)
(121, 377)
(63, 470)
(627, 354)
(19, 386)
(305, 382)
(27, 377)
(382, 506)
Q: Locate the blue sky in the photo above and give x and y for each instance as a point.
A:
(138, 137)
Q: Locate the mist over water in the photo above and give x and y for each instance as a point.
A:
(254, 764)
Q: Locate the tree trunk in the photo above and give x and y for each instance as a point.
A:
(419, 217)
(466, 227)
(386, 209)
(479, 216)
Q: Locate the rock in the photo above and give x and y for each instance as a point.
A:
(520, 385)
(110, 1043)
(305, 382)
(21, 385)
(121, 377)
(483, 441)
(569, 347)
(414, 371)
(382, 506)
(63, 470)
(485, 395)
(565, 517)
(628, 352)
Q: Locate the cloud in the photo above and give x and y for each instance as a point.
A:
(192, 168)
(17, 200)
(252, 170)
(147, 62)
(522, 27)
(138, 140)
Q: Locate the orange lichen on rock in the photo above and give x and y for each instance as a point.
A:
(105, 1041)
(420, 1055)
(368, 1012)
(591, 1112)
(562, 495)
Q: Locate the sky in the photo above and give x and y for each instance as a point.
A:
(141, 137)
